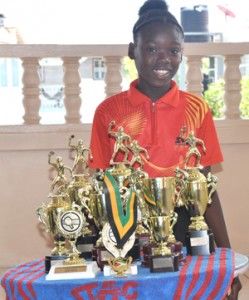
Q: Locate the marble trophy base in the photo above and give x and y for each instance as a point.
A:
(59, 271)
(50, 260)
(200, 242)
(85, 245)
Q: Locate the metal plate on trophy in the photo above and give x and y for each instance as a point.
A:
(162, 263)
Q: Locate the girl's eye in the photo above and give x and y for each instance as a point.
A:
(151, 50)
(174, 51)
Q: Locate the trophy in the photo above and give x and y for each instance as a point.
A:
(197, 196)
(162, 259)
(79, 191)
(99, 212)
(161, 196)
(47, 214)
(65, 218)
(116, 199)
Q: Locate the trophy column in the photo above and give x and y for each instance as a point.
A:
(196, 196)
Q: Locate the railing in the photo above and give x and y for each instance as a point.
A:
(70, 55)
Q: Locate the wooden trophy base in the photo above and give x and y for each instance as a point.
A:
(176, 249)
(143, 239)
(148, 250)
(85, 245)
(200, 242)
(100, 254)
(135, 251)
(163, 263)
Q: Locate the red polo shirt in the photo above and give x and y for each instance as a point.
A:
(156, 127)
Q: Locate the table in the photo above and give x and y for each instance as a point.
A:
(203, 277)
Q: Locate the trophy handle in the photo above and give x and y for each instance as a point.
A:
(173, 220)
(41, 212)
(211, 184)
(181, 184)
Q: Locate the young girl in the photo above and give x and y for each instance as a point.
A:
(153, 112)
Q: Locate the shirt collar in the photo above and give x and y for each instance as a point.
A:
(170, 98)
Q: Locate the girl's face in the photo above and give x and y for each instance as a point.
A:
(157, 53)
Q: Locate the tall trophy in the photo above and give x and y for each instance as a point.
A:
(65, 218)
(116, 198)
(161, 254)
(197, 196)
(79, 191)
(48, 214)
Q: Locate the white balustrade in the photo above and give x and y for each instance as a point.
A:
(232, 78)
(112, 55)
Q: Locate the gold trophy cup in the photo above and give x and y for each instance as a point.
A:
(160, 196)
(197, 196)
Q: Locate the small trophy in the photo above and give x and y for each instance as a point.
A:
(197, 195)
(47, 215)
(98, 208)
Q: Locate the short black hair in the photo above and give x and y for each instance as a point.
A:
(155, 11)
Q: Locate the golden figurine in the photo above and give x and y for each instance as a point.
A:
(60, 168)
(192, 142)
(120, 137)
(136, 150)
(80, 153)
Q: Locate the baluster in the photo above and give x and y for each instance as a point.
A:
(194, 76)
(113, 78)
(232, 78)
(31, 92)
(72, 100)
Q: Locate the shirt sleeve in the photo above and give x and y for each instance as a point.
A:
(100, 142)
(208, 134)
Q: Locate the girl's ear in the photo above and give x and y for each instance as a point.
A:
(131, 51)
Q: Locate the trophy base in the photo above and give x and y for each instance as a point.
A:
(100, 254)
(163, 263)
(85, 245)
(50, 260)
(143, 240)
(134, 252)
(148, 250)
(200, 242)
(176, 249)
(59, 271)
